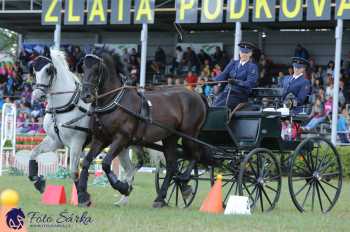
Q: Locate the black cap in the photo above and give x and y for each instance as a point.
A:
(300, 61)
(246, 47)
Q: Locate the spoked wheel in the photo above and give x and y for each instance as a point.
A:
(229, 172)
(180, 193)
(315, 176)
(260, 179)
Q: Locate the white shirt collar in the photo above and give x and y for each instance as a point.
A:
(296, 77)
(242, 63)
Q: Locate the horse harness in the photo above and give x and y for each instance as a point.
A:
(68, 107)
(72, 103)
(144, 113)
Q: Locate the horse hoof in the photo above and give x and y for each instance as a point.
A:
(84, 199)
(84, 204)
(124, 200)
(126, 189)
(159, 204)
(40, 184)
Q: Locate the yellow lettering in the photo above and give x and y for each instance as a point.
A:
(262, 5)
(344, 5)
(216, 13)
(97, 10)
(319, 7)
(185, 6)
(293, 13)
(120, 10)
(237, 15)
(49, 17)
(71, 16)
(144, 9)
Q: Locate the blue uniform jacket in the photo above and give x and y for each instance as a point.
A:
(300, 88)
(246, 76)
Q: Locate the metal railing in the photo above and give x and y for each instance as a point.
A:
(20, 6)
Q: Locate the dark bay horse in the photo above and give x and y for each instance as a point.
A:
(114, 125)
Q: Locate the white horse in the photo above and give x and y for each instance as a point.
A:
(61, 87)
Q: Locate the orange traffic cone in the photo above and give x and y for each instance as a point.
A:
(74, 196)
(11, 217)
(54, 195)
(213, 202)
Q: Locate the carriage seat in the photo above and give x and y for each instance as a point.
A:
(245, 126)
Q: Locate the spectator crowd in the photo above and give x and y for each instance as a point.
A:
(195, 70)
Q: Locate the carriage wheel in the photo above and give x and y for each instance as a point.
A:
(315, 176)
(229, 173)
(180, 194)
(260, 179)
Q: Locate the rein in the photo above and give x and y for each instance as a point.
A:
(60, 93)
(157, 86)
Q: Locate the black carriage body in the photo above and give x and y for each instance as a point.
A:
(247, 130)
(250, 154)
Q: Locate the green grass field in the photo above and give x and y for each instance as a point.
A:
(139, 216)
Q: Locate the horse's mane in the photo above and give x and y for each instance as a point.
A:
(110, 56)
(59, 61)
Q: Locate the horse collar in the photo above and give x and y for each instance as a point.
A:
(112, 105)
(72, 103)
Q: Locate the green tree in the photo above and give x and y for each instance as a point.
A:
(8, 41)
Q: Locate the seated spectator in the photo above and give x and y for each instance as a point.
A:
(23, 123)
(277, 82)
(216, 70)
(225, 59)
(203, 56)
(178, 81)
(169, 81)
(318, 74)
(208, 88)
(37, 110)
(191, 80)
(343, 126)
(217, 56)
(206, 68)
(191, 60)
(41, 128)
(134, 59)
(330, 85)
(328, 72)
(79, 58)
(290, 71)
(159, 63)
(316, 90)
(318, 115)
(26, 95)
(10, 87)
(177, 60)
(24, 108)
(125, 56)
(200, 86)
(34, 126)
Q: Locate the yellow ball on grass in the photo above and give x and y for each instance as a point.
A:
(9, 197)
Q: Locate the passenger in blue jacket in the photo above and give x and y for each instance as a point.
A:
(242, 76)
(297, 84)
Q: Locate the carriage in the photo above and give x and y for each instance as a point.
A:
(248, 150)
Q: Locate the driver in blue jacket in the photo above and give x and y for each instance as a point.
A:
(242, 76)
(297, 84)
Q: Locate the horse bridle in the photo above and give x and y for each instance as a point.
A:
(101, 65)
(51, 71)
